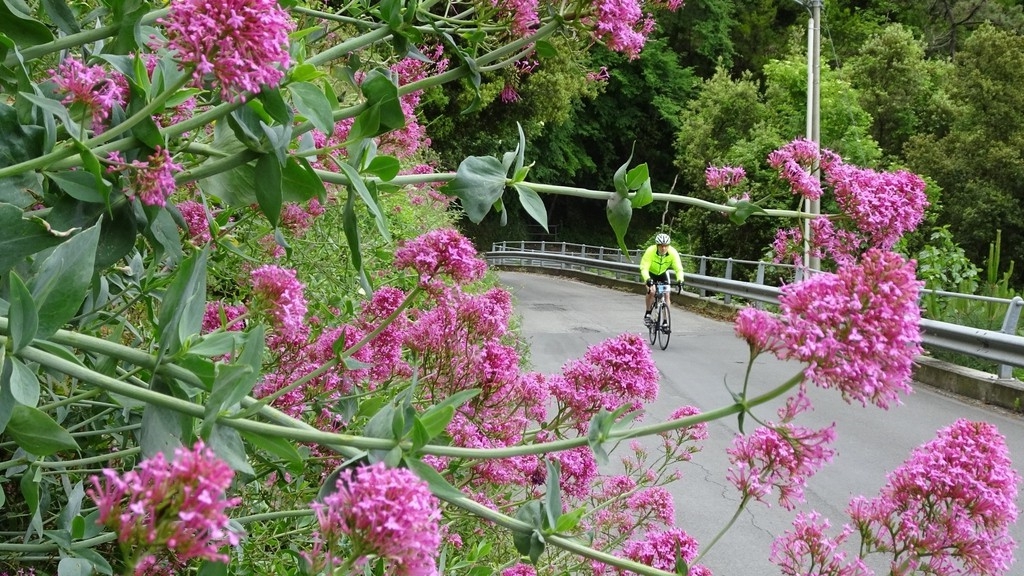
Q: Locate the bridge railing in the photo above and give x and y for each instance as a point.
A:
(1003, 347)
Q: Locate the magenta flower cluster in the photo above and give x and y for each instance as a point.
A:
(724, 177)
(441, 251)
(278, 291)
(808, 549)
(857, 330)
(781, 457)
(243, 44)
(949, 508)
(796, 162)
(662, 549)
(169, 512)
(381, 512)
(92, 87)
(151, 181)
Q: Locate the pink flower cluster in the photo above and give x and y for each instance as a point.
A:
(172, 512)
(197, 220)
(616, 372)
(796, 162)
(243, 44)
(219, 315)
(662, 549)
(782, 457)
(809, 550)
(878, 208)
(93, 87)
(949, 508)
(381, 512)
(441, 251)
(522, 13)
(153, 180)
(621, 25)
(277, 291)
(857, 330)
(724, 177)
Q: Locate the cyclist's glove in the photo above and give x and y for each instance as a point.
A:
(650, 281)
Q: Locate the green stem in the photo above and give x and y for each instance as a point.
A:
(146, 112)
(274, 515)
(726, 528)
(92, 460)
(567, 544)
(53, 546)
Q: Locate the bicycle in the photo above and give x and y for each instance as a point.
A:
(659, 326)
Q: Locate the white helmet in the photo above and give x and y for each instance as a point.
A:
(662, 239)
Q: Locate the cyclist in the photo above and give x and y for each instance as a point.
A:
(654, 267)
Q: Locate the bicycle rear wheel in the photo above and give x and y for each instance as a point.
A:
(664, 326)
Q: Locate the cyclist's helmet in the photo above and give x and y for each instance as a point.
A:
(662, 239)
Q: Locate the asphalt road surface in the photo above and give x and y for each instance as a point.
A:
(561, 318)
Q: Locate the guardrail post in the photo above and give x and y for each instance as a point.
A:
(760, 280)
(702, 269)
(728, 276)
(1005, 371)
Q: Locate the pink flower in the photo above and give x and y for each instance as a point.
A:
(243, 44)
(782, 457)
(621, 25)
(380, 511)
(724, 177)
(198, 223)
(948, 509)
(278, 291)
(616, 372)
(174, 510)
(520, 570)
(808, 550)
(441, 251)
(153, 180)
(857, 330)
(661, 549)
(93, 87)
(220, 315)
(883, 205)
(508, 94)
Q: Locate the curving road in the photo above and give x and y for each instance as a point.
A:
(561, 318)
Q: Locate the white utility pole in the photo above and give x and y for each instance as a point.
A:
(814, 206)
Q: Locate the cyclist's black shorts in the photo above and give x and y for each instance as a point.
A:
(660, 278)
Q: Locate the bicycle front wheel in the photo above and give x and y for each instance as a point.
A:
(664, 326)
(652, 329)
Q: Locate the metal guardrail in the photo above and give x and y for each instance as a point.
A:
(1005, 348)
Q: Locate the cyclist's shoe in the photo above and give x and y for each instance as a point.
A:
(647, 318)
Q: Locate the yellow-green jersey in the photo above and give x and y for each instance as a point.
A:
(652, 263)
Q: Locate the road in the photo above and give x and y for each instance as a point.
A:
(561, 318)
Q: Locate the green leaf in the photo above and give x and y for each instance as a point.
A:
(619, 212)
(63, 280)
(553, 494)
(21, 237)
(520, 149)
(311, 102)
(163, 232)
(269, 193)
(36, 433)
(437, 483)
(350, 225)
(162, 428)
(217, 344)
(546, 49)
(479, 182)
(74, 567)
(19, 144)
(380, 91)
(145, 130)
(300, 182)
(246, 125)
(279, 447)
(24, 385)
(384, 167)
(24, 317)
(56, 108)
(637, 176)
(620, 178)
(184, 303)
(745, 209)
(29, 490)
(62, 16)
(569, 522)
(435, 420)
(78, 184)
(17, 23)
(98, 562)
(304, 73)
(643, 196)
(533, 204)
(356, 183)
(233, 382)
(274, 104)
(530, 543)
(227, 444)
